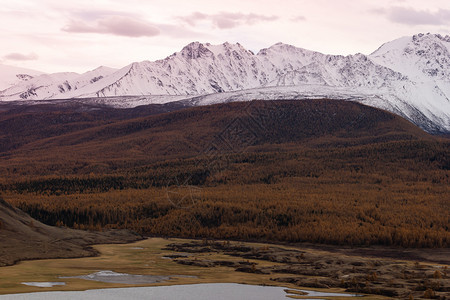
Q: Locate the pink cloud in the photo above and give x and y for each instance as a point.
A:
(225, 23)
(95, 14)
(193, 18)
(411, 16)
(116, 25)
(298, 19)
(226, 20)
(20, 56)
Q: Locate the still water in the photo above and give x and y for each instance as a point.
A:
(216, 291)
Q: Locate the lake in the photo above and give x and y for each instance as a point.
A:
(217, 291)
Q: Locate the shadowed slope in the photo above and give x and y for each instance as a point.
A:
(24, 238)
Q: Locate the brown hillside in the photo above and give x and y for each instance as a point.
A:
(21, 123)
(89, 143)
(320, 171)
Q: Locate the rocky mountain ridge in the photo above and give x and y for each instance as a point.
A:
(409, 76)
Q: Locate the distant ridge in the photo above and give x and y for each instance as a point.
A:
(409, 76)
(10, 75)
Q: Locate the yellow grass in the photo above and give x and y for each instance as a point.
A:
(127, 258)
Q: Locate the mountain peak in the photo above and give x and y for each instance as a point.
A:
(104, 68)
(430, 36)
(422, 57)
(196, 50)
(409, 76)
(10, 75)
(416, 44)
(285, 49)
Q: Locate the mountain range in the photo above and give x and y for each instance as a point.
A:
(10, 76)
(409, 76)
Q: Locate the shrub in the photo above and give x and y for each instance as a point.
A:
(429, 294)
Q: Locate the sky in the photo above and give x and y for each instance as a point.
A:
(81, 35)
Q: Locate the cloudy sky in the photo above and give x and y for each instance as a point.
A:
(69, 35)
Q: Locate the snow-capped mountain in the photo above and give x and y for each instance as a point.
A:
(409, 76)
(10, 76)
(56, 85)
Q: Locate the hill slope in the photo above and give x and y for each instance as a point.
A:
(34, 135)
(25, 238)
(324, 171)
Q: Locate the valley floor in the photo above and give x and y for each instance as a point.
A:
(194, 261)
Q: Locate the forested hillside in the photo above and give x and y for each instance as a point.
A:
(323, 171)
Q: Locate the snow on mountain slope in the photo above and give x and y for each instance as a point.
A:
(10, 75)
(409, 76)
(203, 68)
(49, 86)
(425, 60)
(423, 57)
(428, 119)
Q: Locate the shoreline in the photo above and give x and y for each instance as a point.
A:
(212, 262)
